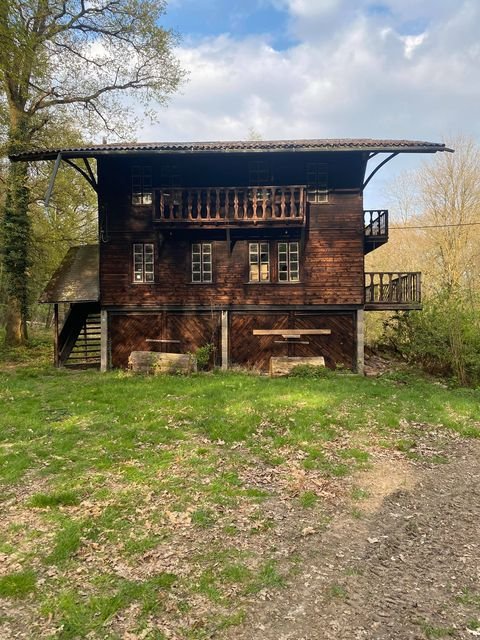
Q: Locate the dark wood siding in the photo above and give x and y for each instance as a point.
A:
(167, 332)
(331, 265)
(249, 350)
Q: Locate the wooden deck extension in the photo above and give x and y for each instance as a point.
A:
(390, 291)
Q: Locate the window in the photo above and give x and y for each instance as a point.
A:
(288, 262)
(143, 263)
(259, 261)
(142, 185)
(317, 182)
(202, 262)
(258, 173)
(170, 176)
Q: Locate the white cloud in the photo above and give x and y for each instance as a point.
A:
(359, 73)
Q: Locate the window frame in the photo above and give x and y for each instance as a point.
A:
(291, 262)
(260, 249)
(143, 262)
(142, 186)
(205, 253)
(317, 182)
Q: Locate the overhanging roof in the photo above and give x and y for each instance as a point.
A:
(76, 279)
(368, 145)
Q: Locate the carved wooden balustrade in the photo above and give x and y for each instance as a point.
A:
(235, 205)
(393, 290)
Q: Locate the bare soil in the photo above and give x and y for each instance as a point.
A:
(402, 564)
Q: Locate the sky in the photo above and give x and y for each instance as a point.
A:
(325, 69)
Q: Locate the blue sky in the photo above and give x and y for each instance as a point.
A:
(325, 69)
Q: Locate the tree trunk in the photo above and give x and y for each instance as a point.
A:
(16, 238)
(14, 329)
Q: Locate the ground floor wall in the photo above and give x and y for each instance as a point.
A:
(232, 335)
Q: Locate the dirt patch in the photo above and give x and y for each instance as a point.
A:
(404, 565)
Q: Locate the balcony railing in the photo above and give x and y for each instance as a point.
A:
(233, 206)
(375, 229)
(376, 222)
(393, 290)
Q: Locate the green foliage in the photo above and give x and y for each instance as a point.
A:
(444, 338)
(204, 355)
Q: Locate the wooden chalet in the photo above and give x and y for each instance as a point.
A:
(254, 247)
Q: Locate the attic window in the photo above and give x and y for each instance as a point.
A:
(317, 182)
(258, 173)
(142, 185)
(170, 176)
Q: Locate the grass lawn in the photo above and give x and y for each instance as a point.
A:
(157, 507)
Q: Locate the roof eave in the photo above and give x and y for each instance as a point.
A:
(97, 153)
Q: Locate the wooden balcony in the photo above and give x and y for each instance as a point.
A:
(376, 228)
(391, 291)
(232, 207)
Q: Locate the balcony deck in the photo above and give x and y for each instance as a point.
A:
(392, 291)
(214, 207)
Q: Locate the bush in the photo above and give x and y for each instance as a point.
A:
(443, 339)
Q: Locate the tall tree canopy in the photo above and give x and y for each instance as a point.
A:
(79, 59)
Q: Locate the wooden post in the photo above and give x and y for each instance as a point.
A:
(224, 340)
(103, 340)
(56, 355)
(361, 342)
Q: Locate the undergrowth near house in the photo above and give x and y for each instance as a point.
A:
(156, 507)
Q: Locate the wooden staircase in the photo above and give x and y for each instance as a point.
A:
(79, 338)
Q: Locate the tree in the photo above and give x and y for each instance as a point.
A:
(437, 213)
(70, 59)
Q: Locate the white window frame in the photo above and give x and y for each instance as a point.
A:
(143, 263)
(142, 190)
(258, 267)
(289, 261)
(202, 262)
(317, 182)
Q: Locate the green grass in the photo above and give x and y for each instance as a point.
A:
(152, 494)
(17, 585)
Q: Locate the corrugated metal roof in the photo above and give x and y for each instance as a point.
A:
(347, 144)
(76, 279)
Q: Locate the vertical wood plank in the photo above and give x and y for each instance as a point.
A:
(103, 340)
(360, 360)
(224, 340)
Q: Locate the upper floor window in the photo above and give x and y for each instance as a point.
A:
(142, 185)
(170, 176)
(143, 263)
(288, 262)
(258, 173)
(317, 182)
(259, 261)
(202, 262)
